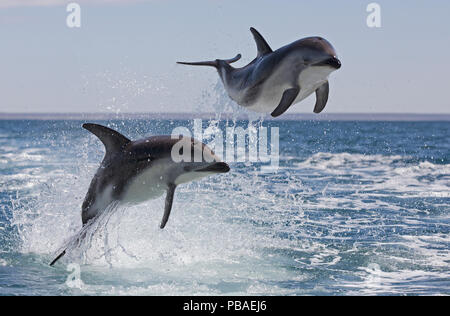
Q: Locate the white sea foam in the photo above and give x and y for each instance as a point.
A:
(400, 282)
(378, 175)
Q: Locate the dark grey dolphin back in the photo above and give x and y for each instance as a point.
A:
(113, 140)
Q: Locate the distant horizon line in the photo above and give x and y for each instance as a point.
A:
(227, 115)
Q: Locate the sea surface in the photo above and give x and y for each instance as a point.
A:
(355, 208)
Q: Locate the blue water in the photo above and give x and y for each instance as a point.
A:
(355, 208)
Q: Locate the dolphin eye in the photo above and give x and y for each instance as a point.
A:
(145, 159)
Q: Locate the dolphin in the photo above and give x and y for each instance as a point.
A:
(275, 80)
(133, 172)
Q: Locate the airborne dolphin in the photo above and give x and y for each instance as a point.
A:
(275, 80)
(137, 171)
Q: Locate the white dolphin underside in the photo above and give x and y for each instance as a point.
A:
(152, 183)
(309, 81)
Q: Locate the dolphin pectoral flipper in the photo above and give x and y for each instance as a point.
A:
(286, 101)
(168, 205)
(261, 44)
(321, 97)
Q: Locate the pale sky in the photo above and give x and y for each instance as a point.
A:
(123, 56)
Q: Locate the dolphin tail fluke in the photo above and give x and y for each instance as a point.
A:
(72, 241)
(199, 63)
(58, 257)
(213, 63)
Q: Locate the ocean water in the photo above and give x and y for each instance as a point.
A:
(356, 208)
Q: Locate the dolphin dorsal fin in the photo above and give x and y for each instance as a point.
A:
(261, 44)
(113, 141)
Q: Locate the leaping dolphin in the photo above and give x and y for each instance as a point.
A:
(275, 80)
(137, 171)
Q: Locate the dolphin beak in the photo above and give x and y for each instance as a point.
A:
(218, 167)
(336, 63)
(331, 62)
